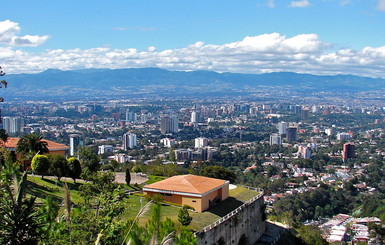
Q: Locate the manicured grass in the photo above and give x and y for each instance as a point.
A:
(153, 179)
(41, 188)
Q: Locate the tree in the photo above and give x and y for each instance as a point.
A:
(74, 168)
(219, 173)
(88, 159)
(31, 144)
(5, 84)
(128, 176)
(40, 164)
(184, 217)
(59, 165)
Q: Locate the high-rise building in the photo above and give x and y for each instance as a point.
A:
(282, 126)
(12, 124)
(129, 141)
(201, 142)
(305, 112)
(298, 109)
(195, 117)
(74, 143)
(304, 152)
(291, 134)
(169, 124)
(348, 151)
(105, 149)
(275, 139)
(343, 136)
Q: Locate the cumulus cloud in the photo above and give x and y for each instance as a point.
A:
(381, 5)
(304, 53)
(299, 4)
(9, 31)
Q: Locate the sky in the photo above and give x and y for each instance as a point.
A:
(323, 37)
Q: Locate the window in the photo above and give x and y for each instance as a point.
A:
(194, 201)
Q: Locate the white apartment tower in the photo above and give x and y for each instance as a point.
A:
(129, 141)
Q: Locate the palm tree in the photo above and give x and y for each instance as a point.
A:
(31, 144)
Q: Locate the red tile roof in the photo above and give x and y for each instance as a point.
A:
(52, 146)
(188, 184)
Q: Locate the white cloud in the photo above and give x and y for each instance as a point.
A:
(345, 2)
(299, 4)
(270, 4)
(9, 36)
(381, 5)
(304, 53)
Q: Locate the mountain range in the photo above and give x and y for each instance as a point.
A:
(89, 82)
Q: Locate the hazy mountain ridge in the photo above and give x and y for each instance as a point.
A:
(145, 79)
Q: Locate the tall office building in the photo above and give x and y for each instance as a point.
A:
(348, 151)
(169, 124)
(74, 143)
(298, 109)
(291, 134)
(129, 141)
(195, 117)
(275, 139)
(282, 126)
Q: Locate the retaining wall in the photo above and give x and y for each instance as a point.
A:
(242, 226)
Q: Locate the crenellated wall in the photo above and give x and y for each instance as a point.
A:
(242, 226)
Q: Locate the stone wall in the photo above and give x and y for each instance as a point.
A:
(242, 226)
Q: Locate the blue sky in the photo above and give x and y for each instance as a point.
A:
(249, 36)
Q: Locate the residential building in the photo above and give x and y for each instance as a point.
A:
(129, 141)
(275, 139)
(196, 191)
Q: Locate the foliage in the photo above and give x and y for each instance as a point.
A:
(219, 173)
(40, 164)
(88, 159)
(31, 144)
(128, 176)
(311, 235)
(59, 165)
(184, 217)
(20, 222)
(74, 169)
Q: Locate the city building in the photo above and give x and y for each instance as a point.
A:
(275, 139)
(201, 142)
(305, 112)
(129, 141)
(167, 142)
(291, 134)
(169, 124)
(304, 152)
(196, 191)
(105, 149)
(13, 124)
(343, 136)
(75, 142)
(348, 151)
(195, 117)
(282, 126)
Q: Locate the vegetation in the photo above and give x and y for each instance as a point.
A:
(184, 217)
(40, 164)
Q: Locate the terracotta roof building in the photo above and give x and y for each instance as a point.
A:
(196, 191)
(53, 147)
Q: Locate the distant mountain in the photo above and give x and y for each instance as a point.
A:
(149, 80)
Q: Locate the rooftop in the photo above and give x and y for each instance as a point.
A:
(52, 146)
(188, 184)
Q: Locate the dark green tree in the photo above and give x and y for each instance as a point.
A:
(88, 159)
(59, 165)
(219, 172)
(128, 176)
(74, 168)
(40, 164)
(184, 217)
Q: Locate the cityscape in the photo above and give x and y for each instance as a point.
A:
(192, 122)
